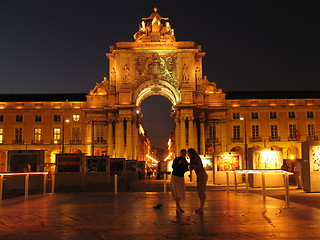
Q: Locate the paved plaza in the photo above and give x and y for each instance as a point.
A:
(131, 216)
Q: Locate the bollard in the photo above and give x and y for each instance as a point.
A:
(263, 187)
(227, 174)
(116, 184)
(165, 183)
(1, 187)
(247, 183)
(286, 189)
(53, 179)
(235, 182)
(26, 186)
(44, 183)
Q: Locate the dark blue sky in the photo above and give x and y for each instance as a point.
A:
(58, 46)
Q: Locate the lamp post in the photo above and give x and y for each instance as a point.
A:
(63, 123)
(245, 141)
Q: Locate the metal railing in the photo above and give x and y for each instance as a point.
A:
(263, 172)
(26, 182)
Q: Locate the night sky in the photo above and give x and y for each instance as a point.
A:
(58, 46)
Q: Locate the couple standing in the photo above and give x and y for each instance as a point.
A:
(180, 166)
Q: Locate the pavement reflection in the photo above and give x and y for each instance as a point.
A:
(131, 216)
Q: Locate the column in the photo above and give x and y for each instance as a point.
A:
(177, 136)
(182, 133)
(135, 136)
(202, 138)
(191, 133)
(88, 138)
(119, 138)
(195, 134)
(110, 141)
(129, 139)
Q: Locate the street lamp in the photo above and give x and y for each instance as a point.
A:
(245, 141)
(63, 122)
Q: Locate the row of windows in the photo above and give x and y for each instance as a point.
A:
(38, 118)
(274, 134)
(75, 132)
(273, 115)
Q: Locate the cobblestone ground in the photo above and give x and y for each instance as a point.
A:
(131, 216)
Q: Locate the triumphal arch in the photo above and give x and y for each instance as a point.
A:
(155, 63)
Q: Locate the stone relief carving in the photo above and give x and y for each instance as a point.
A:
(156, 67)
(210, 87)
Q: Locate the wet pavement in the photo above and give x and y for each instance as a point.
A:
(131, 216)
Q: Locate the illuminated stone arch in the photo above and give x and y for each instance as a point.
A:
(75, 150)
(151, 88)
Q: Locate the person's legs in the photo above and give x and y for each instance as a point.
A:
(178, 207)
(298, 179)
(201, 187)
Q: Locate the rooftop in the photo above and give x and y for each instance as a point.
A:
(49, 97)
(272, 94)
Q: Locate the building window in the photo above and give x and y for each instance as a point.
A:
(310, 115)
(274, 132)
(1, 118)
(255, 132)
(236, 115)
(254, 115)
(19, 118)
(236, 133)
(18, 135)
(292, 132)
(37, 135)
(99, 134)
(273, 115)
(1, 135)
(311, 131)
(291, 115)
(38, 118)
(75, 133)
(56, 134)
(56, 118)
(76, 117)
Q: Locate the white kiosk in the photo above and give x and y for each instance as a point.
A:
(311, 166)
(265, 159)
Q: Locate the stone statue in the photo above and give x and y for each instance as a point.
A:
(185, 75)
(126, 75)
(156, 20)
(153, 30)
(101, 88)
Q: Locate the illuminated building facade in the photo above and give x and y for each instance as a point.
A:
(108, 120)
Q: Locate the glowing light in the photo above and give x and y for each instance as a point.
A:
(168, 157)
(137, 111)
(292, 157)
(67, 120)
(151, 158)
(241, 118)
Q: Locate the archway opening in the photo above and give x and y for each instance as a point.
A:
(157, 122)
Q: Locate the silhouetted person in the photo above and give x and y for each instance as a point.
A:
(178, 188)
(202, 177)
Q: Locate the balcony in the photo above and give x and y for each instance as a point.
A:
(75, 142)
(18, 142)
(236, 139)
(212, 140)
(312, 138)
(56, 141)
(256, 139)
(37, 142)
(274, 139)
(293, 138)
(100, 141)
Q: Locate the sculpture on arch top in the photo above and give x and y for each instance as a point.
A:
(154, 30)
